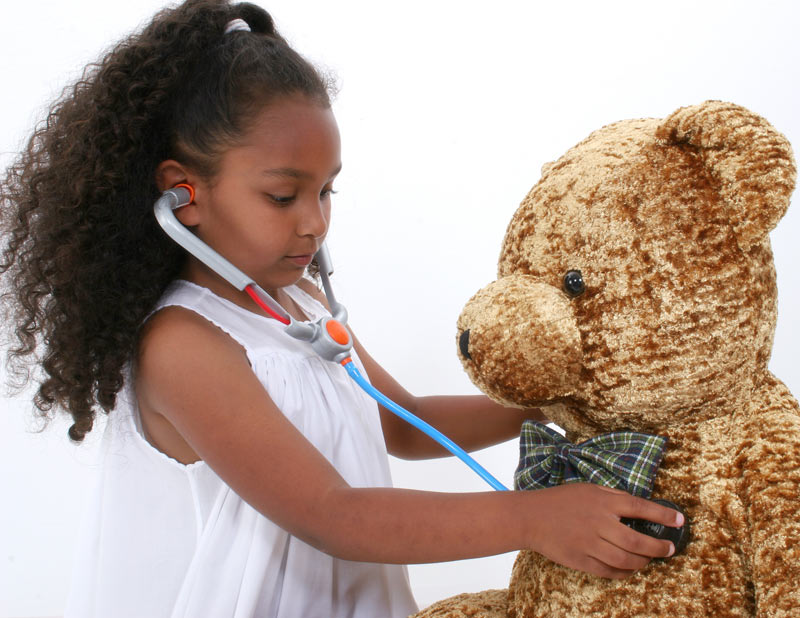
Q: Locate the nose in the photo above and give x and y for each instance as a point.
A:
(314, 219)
(519, 342)
(463, 344)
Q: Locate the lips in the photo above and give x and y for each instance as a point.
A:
(301, 260)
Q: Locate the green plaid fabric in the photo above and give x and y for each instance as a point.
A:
(623, 459)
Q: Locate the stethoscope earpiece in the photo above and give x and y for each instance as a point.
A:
(189, 188)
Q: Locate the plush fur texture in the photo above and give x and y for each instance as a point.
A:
(668, 222)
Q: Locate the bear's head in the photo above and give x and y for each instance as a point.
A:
(636, 286)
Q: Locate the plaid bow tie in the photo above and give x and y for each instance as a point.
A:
(623, 459)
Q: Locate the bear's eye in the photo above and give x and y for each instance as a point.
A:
(573, 283)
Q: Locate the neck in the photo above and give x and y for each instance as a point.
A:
(582, 422)
(201, 275)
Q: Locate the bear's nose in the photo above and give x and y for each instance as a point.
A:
(463, 344)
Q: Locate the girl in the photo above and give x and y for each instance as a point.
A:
(242, 474)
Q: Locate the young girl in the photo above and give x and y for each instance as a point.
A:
(242, 475)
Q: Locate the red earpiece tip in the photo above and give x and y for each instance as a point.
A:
(189, 188)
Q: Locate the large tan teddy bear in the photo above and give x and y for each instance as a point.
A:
(636, 291)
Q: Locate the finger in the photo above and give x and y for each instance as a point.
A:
(612, 490)
(628, 540)
(614, 556)
(593, 566)
(639, 508)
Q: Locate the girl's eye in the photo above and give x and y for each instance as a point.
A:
(327, 193)
(281, 200)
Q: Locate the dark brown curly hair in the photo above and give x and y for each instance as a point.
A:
(83, 258)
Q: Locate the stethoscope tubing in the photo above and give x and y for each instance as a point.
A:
(424, 427)
(330, 350)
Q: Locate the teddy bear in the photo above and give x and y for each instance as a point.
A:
(636, 291)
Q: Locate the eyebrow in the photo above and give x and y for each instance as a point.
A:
(291, 172)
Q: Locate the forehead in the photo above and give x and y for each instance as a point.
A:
(292, 132)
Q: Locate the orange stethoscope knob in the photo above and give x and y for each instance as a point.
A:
(337, 332)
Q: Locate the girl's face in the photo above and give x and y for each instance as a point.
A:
(268, 207)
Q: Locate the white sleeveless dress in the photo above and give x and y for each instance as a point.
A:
(164, 539)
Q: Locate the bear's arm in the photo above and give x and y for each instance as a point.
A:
(769, 487)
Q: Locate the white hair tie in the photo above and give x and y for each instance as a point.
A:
(237, 24)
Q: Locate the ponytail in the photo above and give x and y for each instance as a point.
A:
(84, 260)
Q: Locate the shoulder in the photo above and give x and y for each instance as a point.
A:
(178, 331)
(179, 356)
(178, 345)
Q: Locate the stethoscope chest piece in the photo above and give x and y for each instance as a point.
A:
(328, 337)
(678, 536)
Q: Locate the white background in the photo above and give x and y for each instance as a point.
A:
(448, 111)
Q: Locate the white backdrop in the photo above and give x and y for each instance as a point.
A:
(448, 111)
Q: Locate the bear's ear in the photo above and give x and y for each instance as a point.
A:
(752, 162)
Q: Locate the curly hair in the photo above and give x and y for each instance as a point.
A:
(83, 258)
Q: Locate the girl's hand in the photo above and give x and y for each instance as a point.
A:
(578, 525)
(199, 399)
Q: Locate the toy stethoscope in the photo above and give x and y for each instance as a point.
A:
(328, 336)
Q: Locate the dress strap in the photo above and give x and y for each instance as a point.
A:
(254, 332)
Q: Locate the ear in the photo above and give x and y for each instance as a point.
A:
(752, 162)
(170, 173)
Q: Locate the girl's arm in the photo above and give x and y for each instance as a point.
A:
(194, 380)
(471, 421)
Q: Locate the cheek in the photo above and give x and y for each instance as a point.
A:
(234, 230)
(225, 229)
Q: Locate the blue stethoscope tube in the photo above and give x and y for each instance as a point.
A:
(328, 347)
(424, 427)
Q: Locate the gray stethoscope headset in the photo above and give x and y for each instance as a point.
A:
(328, 336)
